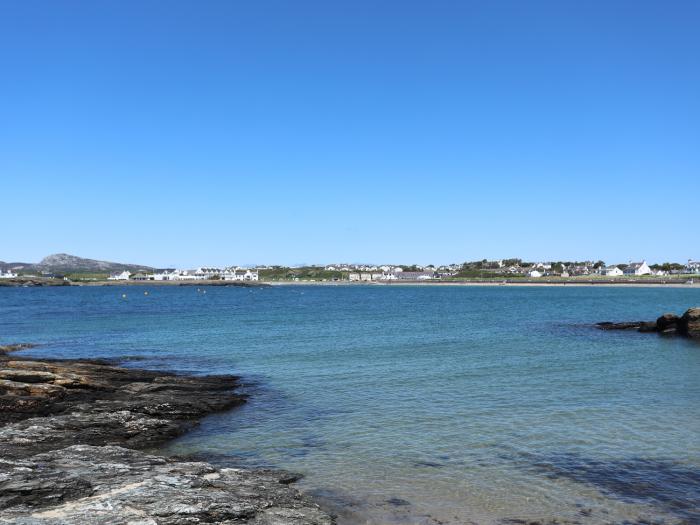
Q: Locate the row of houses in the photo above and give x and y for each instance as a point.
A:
(392, 276)
(389, 268)
(631, 269)
(200, 274)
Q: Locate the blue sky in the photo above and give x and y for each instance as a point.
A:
(186, 133)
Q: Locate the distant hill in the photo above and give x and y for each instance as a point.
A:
(65, 263)
(14, 265)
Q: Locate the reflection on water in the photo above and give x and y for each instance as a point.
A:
(421, 404)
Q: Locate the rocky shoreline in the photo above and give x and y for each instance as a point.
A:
(71, 439)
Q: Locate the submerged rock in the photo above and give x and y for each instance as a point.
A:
(631, 325)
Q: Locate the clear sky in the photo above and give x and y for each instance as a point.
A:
(204, 132)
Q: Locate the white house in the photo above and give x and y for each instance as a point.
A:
(120, 276)
(8, 274)
(637, 268)
(208, 272)
(414, 276)
(693, 266)
(164, 276)
(239, 274)
(611, 271)
(534, 273)
(186, 275)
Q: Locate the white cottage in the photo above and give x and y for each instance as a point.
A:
(637, 268)
(611, 271)
(8, 274)
(239, 274)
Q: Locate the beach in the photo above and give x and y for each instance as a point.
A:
(645, 282)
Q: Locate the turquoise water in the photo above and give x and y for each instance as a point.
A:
(420, 404)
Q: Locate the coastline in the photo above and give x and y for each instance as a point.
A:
(621, 284)
(641, 283)
(72, 441)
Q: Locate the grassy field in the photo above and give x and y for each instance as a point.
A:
(307, 273)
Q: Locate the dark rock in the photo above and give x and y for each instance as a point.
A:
(62, 455)
(648, 326)
(667, 323)
(398, 502)
(689, 323)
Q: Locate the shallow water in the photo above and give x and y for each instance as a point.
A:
(419, 404)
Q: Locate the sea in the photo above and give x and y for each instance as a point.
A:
(418, 404)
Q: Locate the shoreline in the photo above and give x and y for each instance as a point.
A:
(637, 284)
(72, 439)
(642, 283)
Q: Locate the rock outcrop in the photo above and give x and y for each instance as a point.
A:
(687, 325)
(67, 450)
(107, 484)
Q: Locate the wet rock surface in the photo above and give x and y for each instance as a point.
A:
(69, 431)
(687, 325)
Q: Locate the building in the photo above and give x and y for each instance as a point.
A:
(693, 267)
(415, 276)
(7, 274)
(579, 270)
(208, 272)
(611, 271)
(141, 277)
(637, 268)
(534, 273)
(239, 274)
(120, 276)
(164, 276)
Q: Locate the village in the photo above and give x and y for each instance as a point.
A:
(200, 274)
(506, 268)
(502, 269)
